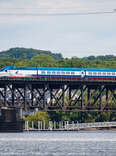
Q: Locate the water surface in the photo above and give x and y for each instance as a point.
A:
(80, 143)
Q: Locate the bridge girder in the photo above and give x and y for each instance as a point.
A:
(80, 96)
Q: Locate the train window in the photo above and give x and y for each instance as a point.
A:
(99, 73)
(48, 72)
(68, 73)
(104, 73)
(94, 73)
(43, 72)
(113, 73)
(89, 73)
(72, 73)
(53, 72)
(108, 73)
(63, 73)
(58, 73)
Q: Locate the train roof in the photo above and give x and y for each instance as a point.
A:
(40, 68)
(57, 68)
(100, 70)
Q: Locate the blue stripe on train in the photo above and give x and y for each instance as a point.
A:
(100, 76)
(76, 76)
(58, 75)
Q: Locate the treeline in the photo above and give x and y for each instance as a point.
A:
(31, 57)
(80, 117)
(45, 60)
(101, 57)
(28, 53)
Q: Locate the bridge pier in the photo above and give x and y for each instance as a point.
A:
(10, 120)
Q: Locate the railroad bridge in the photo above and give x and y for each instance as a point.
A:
(59, 95)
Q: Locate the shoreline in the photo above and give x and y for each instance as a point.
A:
(54, 130)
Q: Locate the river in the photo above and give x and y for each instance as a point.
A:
(79, 143)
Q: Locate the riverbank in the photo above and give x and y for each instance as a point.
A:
(65, 126)
(85, 129)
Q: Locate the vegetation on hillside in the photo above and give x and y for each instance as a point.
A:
(26, 53)
(45, 60)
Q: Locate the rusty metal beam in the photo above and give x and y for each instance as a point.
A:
(91, 96)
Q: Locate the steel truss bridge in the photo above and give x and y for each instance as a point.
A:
(59, 95)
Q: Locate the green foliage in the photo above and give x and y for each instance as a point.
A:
(27, 53)
(32, 57)
(43, 60)
(101, 57)
(39, 116)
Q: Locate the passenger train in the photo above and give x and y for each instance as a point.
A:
(58, 73)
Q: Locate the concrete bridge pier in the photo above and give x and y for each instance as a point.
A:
(11, 119)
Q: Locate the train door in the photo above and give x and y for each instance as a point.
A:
(83, 74)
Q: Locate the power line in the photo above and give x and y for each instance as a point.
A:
(41, 8)
(50, 8)
(57, 14)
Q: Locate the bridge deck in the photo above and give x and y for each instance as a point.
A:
(49, 79)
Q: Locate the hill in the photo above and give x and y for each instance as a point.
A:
(27, 53)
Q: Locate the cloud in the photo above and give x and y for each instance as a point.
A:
(70, 35)
(59, 4)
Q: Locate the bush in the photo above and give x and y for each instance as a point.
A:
(39, 116)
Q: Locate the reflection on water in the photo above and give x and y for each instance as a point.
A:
(81, 143)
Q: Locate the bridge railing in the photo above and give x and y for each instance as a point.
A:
(65, 125)
(91, 125)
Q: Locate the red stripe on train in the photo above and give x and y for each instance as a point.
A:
(101, 78)
(64, 78)
(53, 78)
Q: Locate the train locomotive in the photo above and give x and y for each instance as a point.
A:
(58, 73)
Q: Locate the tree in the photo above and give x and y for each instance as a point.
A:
(39, 116)
(43, 60)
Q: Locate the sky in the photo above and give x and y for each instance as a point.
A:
(41, 26)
